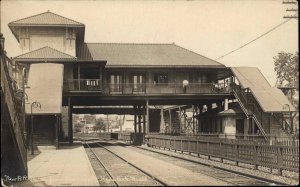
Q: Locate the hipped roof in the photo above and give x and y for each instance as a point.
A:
(146, 55)
(45, 54)
(47, 19)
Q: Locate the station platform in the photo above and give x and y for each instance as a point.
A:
(67, 166)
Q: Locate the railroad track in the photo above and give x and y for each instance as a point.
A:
(113, 170)
(233, 178)
(226, 175)
(230, 176)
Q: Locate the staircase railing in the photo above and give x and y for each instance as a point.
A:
(251, 109)
(284, 124)
(11, 103)
(239, 97)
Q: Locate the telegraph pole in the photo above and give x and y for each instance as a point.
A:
(291, 10)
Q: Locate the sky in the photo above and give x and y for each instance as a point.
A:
(210, 28)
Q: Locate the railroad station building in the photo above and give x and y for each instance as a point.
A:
(168, 89)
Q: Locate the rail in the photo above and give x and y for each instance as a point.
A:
(9, 88)
(262, 119)
(251, 109)
(133, 165)
(102, 164)
(82, 85)
(126, 137)
(253, 137)
(283, 155)
(142, 88)
(284, 124)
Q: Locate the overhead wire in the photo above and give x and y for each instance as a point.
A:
(277, 26)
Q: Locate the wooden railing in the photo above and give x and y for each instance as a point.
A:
(251, 109)
(8, 88)
(126, 137)
(262, 119)
(105, 135)
(284, 124)
(282, 155)
(141, 88)
(82, 85)
(169, 88)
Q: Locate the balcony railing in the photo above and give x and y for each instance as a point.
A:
(82, 85)
(145, 88)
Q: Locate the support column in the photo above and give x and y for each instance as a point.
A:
(56, 131)
(124, 81)
(107, 122)
(140, 119)
(185, 120)
(147, 116)
(246, 128)
(170, 121)
(180, 124)
(100, 77)
(291, 122)
(135, 120)
(253, 125)
(193, 119)
(226, 104)
(78, 73)
(197, 121)
(144, 119)
(162, 126)
(200, 108)
(70, 121)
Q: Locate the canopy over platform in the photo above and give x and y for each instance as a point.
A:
(45, 83)
(270, 99)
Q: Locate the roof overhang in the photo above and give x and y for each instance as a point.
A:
(79, 29)
(231, 114)
(164, 66)
(65, 61)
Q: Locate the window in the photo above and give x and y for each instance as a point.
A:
(138, 81)
(202, 78)
(161, 79)
(115, 83)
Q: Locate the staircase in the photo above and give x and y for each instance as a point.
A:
(268, 124)
(280, 128)
(248, 108)
(262, 102)
(12, 125)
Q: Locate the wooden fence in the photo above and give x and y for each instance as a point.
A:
(282, 155)
(126, 137)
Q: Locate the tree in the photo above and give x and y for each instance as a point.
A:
(100, 124)
(287, 69)
(78, 126)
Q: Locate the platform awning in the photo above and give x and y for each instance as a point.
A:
(270, 99)
(250, 76)
(45, 84)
